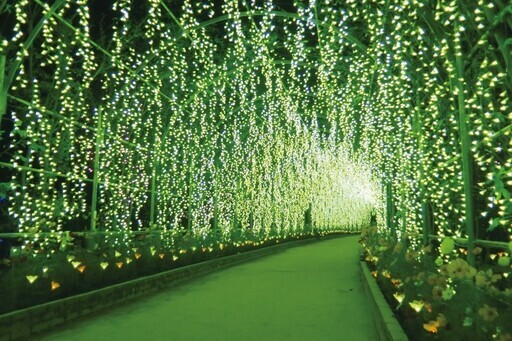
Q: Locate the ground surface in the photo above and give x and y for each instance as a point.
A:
(310, 292)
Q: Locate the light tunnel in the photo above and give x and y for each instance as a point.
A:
(141, 137)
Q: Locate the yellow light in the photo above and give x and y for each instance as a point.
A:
(416, 305)
(32, 279)
(55, 285)
(399, 297)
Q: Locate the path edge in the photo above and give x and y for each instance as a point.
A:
(387, 326)
(24, 323)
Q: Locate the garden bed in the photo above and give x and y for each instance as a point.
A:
(386, 324)
(436, 294)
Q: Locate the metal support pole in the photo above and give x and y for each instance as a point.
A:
(467, 171)
(390, 214)
(99, 142)
(3, 88)
(153, 191)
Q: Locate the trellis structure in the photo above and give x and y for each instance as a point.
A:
(221, 116)
(180, 154)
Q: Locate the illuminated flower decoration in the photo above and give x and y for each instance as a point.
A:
(416, 305)
(433, 325)
(399, 297)
(31, 278)
(54, 285)
(396, 282)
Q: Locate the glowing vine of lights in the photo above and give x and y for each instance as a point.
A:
(288, 111)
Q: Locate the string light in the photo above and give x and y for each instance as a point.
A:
(285, 113)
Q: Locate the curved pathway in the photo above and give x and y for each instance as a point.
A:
(310, 292)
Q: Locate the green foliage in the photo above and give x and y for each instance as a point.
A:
(5, 187)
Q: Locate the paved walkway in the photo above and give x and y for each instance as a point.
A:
(310, 292)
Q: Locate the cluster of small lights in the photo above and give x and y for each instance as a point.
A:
(400, 105)
(251, 132)
(45, 136)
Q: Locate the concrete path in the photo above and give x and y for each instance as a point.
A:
(310, 292)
